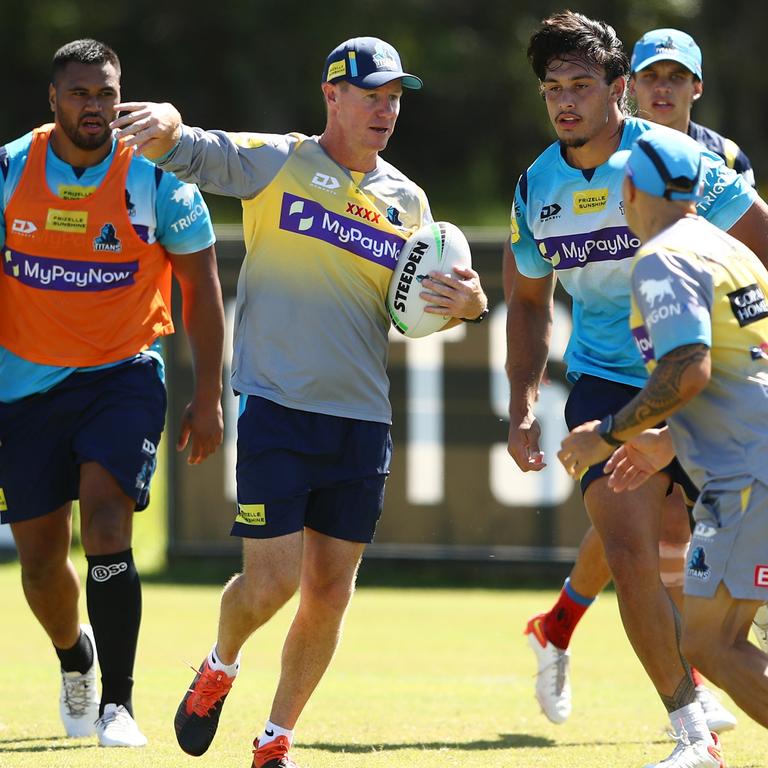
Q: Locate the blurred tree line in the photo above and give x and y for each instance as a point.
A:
(478, 122)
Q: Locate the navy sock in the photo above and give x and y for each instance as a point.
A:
(113, 592)
(79, 657)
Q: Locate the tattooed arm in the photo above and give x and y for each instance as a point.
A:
(679, 376)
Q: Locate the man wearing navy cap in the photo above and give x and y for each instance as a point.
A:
(324, 219)
(700, 321)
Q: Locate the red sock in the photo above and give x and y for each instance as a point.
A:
(560, 622)
(697, 678)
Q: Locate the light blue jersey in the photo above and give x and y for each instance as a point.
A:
(161, 208)
(572, 221)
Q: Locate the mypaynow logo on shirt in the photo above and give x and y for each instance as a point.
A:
(610, 244)
(307, 217)
(65, 275)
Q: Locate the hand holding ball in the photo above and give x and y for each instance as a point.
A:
(434, 247)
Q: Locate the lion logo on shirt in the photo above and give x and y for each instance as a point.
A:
(655, 290)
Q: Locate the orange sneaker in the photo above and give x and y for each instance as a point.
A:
(273, 754)
(197, 717)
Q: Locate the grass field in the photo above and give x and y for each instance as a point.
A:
(424, 677)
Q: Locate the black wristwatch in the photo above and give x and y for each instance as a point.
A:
(605, 428)
(478, 319)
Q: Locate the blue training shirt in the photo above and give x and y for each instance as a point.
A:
(572, 221)
(161, 208)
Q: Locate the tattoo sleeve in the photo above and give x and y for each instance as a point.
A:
(665, 391)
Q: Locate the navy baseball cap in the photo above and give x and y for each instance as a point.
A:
(666, 45)
(664, 163)
(366, 62)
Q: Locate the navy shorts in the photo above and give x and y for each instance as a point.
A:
(594, 398)
(113, 416)
(297, 468)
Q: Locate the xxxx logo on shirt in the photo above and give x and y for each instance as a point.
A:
(307, 217)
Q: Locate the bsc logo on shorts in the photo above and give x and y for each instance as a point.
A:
(251, 514)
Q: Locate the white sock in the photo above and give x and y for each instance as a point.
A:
(216, 663)
(691, 719)
(272, 731)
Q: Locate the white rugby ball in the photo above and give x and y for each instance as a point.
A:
(434, 247)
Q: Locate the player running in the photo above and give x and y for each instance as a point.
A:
(91, 234)
(569, 222)
(700, 320)
(665, 82)
(324, 218)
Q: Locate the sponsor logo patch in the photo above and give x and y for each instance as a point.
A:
(704, 531)
(748, 304)
(719, 185)
(697, 565)
(187, 221)
(337, 69)
(363, 213)
(568, 251)
(107, 240)
(185, 194)
(23, 227)
(106, 572)
(590, 201)
(514, 227)
(384, 57)
(310, 219)
(393, 216)
(74, 191)
(324, 181)
(3, 503)
(66, 221)
(655, 290)
(644, 343)
(761, 575)
(65, 275)
(251, 514)
(550, 212)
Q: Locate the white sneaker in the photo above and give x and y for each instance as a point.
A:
(553, 686)
(717, 716)
(760, 627)
(79, 700)
(696, 754)
(116, 728)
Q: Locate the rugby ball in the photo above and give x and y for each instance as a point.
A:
(434, 247)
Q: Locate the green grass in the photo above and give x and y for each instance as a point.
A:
(424, 677)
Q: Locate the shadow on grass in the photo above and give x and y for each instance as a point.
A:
(42, 744)
(504, 741)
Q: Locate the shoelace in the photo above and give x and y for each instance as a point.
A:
(209, 689)
(110, 717)
(76, 695)
(561, 670)
(275, 750)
